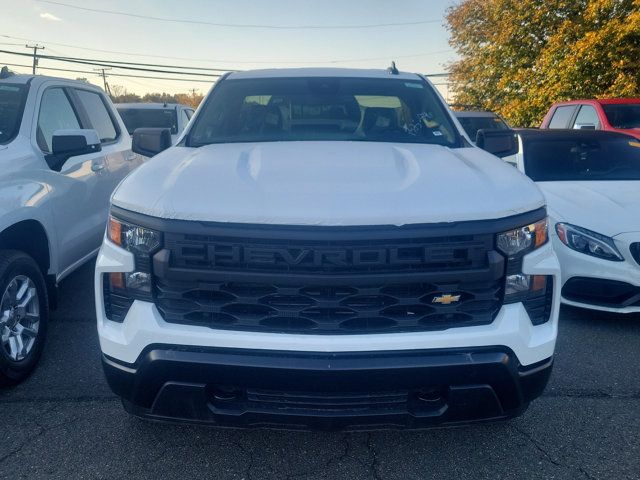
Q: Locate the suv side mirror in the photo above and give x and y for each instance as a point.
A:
(71, 143)
(500, 143)
(150, 141)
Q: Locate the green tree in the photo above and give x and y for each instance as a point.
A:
(517, 57)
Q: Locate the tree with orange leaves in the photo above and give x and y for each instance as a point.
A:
(518, 57)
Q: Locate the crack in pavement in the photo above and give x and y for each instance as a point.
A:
(538, 446)
(374, 466)
(250, 456)
(42, 430)
(333, 459)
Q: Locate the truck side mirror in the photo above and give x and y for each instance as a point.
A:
(150, 141)
(500, 143)
(71, 143)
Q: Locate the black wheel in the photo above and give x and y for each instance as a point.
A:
(24, 312)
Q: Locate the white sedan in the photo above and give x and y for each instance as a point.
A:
(592, 184)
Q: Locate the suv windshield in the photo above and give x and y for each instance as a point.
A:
(149, 118)
(295, 109)
(623, 115)
(582, 159)
(11, 105)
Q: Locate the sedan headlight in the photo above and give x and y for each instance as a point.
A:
(121, 288)
(532, 290)
(588, 242)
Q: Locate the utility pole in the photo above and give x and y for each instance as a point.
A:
(104, 78)
(35, 47)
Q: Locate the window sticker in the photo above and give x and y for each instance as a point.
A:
(413, 84)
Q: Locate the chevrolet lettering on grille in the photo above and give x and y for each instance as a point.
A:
(224, 255)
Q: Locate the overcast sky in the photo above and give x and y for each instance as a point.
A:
(65, 31)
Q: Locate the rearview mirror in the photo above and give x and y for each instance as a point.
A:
(150, 141)
(500, 143)
(71, 143)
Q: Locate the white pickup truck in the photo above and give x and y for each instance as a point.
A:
(63, 150)
(325, 248)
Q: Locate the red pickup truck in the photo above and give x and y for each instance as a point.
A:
(614, 114)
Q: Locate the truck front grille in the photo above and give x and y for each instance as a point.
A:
(329, 281)
(329, 309)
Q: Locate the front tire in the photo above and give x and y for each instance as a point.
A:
(24, 314)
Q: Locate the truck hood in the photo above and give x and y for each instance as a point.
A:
(327, 183)
(609, 208)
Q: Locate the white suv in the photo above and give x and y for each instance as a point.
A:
(63, 150)
(324, 248)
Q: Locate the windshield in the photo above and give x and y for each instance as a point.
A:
(623, 115)
(471, 125)
(11, 106)
(294, 109)
(149, 118)
(582, 159)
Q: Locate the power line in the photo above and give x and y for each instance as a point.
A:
(189, 80)
(99, 63)
(240, 25)
(261, 61)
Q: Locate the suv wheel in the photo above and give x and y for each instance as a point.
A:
(23, 315)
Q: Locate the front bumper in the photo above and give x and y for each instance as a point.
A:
(169, 371)
(597, 284)
(252, 388)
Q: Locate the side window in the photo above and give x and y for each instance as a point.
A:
(56, 113)
(562, 116)
(98, 115)
(189, 114)
(587, 118)
(185, 116)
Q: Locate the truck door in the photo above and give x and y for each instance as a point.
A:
(79, 218)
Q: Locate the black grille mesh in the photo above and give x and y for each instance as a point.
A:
(360, 282)
(328, 309)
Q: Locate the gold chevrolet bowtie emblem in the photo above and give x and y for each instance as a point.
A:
(446, 299)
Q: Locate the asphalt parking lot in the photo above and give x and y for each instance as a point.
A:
(63, 422)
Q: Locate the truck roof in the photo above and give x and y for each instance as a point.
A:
(322, 72)
(23, 79)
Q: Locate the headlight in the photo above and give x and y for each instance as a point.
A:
(138, 240)
(121, 288)
(534, 291)
(523, 239)
(588, 242)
